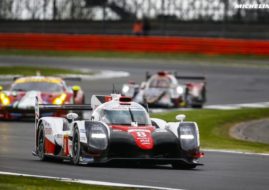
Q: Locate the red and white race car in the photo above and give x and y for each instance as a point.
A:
(165, 89)
(117, 130)
(18, 102)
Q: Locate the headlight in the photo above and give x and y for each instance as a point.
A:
(4, 99)
(59, 100)
(180, 90)
(97, 136)
(189, 135)
(125, 89)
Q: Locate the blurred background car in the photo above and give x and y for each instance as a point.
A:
(164, 90)
(18, 102)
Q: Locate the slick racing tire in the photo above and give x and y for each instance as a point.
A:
(76, 151)
(188, 100)
(183, 166)
(41, 143)
(176, 102)
(197, 106)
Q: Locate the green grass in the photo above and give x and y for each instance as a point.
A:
(248, 60)
(29, 71)
(29, 183)
(214, 127)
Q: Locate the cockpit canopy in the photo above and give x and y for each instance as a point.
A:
(160, 82)
(116, 112)
(125, 117)
(37, 86)
(39, 83)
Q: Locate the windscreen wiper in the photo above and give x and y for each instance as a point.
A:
(132, 116)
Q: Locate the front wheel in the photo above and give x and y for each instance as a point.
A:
(176, 102)
(76, 148)
(41, 143)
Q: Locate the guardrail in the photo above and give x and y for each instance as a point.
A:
(116, 43)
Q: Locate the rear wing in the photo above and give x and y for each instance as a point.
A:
(46, 108)
(160, 73)
(190, 77)
(97, 100)
(177, 76)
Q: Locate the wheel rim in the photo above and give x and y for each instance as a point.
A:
(41, 145)
(76, 148)
(75, 145)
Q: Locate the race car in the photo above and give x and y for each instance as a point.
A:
(116, 130)
(18, 102)
(164, 90)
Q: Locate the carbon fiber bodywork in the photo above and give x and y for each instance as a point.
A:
(167, 149)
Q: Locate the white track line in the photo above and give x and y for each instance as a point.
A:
(235, 152)
(217, 107)
(239, 106)
(89, 182)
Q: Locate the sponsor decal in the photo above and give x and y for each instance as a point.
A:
(141, 134)
(160, 131)
(82, 131)
(65, 145)
(83, 139)
(143, 138)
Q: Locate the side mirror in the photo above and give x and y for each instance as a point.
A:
(72, 116)
(75, 88)
(180, 117)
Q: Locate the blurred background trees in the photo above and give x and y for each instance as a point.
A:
(176, 10)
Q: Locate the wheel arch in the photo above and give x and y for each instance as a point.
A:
(52, 122)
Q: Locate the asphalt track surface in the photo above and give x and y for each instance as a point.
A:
(226, 85)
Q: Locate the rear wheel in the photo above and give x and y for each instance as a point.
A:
(183, 166)
(197, 106)
(176, 102)
(41, 143)
(76, 147)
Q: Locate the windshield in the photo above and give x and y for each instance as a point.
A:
(160, 83)
(125, 117)
(37, 86)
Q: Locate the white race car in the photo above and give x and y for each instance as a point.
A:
(164, 90)
(116, 130)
